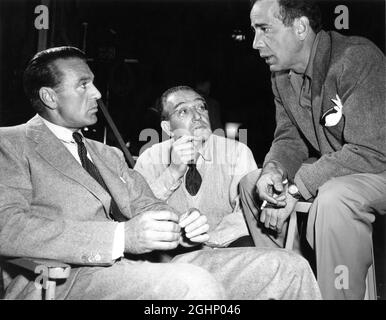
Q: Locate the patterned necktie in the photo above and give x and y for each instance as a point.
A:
(90, 167)
(193, 179)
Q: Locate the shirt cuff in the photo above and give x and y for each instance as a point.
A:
(302, 188)
(119, 241)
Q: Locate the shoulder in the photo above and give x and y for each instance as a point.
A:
(108, 153)
(354, 50)
(232, 148)
(156, 152)
(14, 136)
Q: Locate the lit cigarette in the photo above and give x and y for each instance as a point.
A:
(265, 201)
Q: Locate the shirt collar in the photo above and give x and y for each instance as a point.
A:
(310, 65)
(206, 152)
(62, 133)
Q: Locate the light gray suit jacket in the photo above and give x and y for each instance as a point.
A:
(50, 207)
(354, 69)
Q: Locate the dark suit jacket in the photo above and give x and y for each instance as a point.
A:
(354, 69)
(50, 207)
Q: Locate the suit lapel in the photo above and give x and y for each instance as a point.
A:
(320, 67)
(296, 112)
(56, 154)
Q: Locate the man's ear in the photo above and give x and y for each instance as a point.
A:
(302, 27)
(48, 97)
(165, 125)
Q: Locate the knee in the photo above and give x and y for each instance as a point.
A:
(289, 261)
(195, 283)
(248, 182)
(334, 193)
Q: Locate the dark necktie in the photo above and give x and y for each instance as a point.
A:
(90, 167)
(192, 179)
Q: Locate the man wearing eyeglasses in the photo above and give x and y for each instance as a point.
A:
(197, 169)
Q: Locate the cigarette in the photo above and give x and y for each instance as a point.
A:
(265, 201)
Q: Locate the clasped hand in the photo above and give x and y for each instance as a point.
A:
(164, 230)
(272, 188)
(183, 152)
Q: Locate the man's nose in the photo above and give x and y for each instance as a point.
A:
(258, 42)
(196, 114)
(95, 93)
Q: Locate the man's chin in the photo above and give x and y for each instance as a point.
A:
(202, 133)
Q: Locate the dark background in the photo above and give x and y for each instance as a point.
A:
(174, 42)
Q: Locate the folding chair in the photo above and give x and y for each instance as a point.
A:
(50, 270)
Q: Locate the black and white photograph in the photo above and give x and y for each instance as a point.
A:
(192, 154)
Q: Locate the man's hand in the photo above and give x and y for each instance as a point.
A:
(270, 186)
(152, 230)
(182, 153)
(194, 228)
(274, 218)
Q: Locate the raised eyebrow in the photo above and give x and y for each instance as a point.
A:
(182, 102)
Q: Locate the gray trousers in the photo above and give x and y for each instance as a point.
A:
(339, 228)
(230, 273)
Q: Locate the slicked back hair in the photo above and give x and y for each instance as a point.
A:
(292, 9)
(162, 102)
(41, 71)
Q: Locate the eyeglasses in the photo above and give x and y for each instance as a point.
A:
(183, 112)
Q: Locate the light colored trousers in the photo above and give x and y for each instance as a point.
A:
(230, 273)
(339, 229)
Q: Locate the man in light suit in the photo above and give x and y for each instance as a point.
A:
(329, 93)
(73, 199)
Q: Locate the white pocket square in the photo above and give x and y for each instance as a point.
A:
(333, 115)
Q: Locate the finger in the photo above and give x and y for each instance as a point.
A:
(183, 147)
(262, 216)
(282, 197)
(279, 225)
(198, 139)
(268, 217)
(198, 231)
(183, 139)
(202, 220)
(281, 204)
(277, 183)
(189, 218)
(163, 236)
(187, 158)
(164, 226)
(163, 245)
(201, 238)
(273, 221)
(163, 215)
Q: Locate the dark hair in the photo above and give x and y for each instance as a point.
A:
(41, 71)
(292, 9)
(162, 101)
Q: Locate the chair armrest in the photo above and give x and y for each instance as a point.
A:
(56, 269)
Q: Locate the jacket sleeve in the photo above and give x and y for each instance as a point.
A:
(361, 88)
(24, 232)
(157, 175)
(288, 148)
